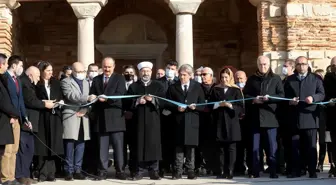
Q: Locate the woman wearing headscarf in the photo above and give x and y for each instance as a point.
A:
(226, 117)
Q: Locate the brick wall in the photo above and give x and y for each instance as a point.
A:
(224, 31)
(49, 32)
(298, 28)
(5, 31)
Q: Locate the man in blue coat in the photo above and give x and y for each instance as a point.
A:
(305, 89)
(25, 154)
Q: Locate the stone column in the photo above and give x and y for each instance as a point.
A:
(184, 10)
(86, 11)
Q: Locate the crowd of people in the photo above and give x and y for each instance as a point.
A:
(48, 130)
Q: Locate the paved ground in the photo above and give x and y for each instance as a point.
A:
(264, 180)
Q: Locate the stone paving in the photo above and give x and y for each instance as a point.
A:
(264, 180)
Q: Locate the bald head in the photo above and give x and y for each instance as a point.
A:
(77, 66)
(33, 74)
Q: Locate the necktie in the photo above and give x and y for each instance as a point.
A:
(106, 81)
(301, 78)
(185, 90)
(16, 84)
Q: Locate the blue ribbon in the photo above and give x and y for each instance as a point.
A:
(185, 105)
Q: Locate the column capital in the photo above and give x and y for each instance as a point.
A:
(184, 6)
(11, 4)
(86, 8)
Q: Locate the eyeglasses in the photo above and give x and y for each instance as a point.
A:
(204, 74)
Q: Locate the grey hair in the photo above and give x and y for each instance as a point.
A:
(187, 68)
(109, 58)
(263, 57)
(208, 69)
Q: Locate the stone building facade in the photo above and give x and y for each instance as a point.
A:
(202, 33)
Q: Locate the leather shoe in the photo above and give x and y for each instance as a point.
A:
(79, 176)
(154, 175)
(177, 176)
(32, 181)
(22, 181)
(101, 176)
(192, 175)
(137, 177)
(121, 176)
(68, 177)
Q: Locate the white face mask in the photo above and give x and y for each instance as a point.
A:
(19, 71)
(80, 76)
(92, 75)
(285, 71)
(170, 73)
(198, 79)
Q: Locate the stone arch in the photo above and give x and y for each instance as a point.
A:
(133, 37)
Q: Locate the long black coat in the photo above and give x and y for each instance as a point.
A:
(263, 115)
(187, 122)
(304, 116)
(207, 127)
(33, 104)
(7, 111)
(109, 115)
(330, 92)
(166, 127)
(50, 123)
(147, 121)
(226, 118)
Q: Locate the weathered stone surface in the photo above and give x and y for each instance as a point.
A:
(182, 6)
(274, 11)
(84, 10)
(295, 54)
(275, 55)
(316, 54)
(294, 9)
(330, 54)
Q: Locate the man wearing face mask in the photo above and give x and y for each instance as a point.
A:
(10, 79)
(197, 76)
(76, 128)
(92, 72)
(241, 78)
(129, 74)
(166, 120)
(160, 73)
(33, 105)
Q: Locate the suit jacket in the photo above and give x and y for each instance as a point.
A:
(109, 115)
(72, 95)
(16, 98)
(304, 116)
(32, 103)
(7, 111)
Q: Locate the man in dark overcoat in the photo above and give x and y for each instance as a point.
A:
(260, 113)
(305, 88)
(186, 121)
(109, 117)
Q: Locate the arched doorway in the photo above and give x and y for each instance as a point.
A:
(132, 38)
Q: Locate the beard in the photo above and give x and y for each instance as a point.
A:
(145, 78)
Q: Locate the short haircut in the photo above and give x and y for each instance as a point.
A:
(187, 68)
(14, 59)
(172, 63)
(93, 65)
(319, 71)
(3, 58)
(65, 68)
(128, 67)
(291, 62)
(208, 69)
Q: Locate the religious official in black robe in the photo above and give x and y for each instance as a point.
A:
(146, 117)
(226, 118)
(186, 123)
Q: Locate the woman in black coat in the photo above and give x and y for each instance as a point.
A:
(226, 117)
(50, 125)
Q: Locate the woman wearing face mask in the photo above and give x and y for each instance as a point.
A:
(50, 124)
(226, 117)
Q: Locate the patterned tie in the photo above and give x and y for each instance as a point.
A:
(106, 81)
(16, 84)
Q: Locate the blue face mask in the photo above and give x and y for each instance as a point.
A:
(241, 85)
